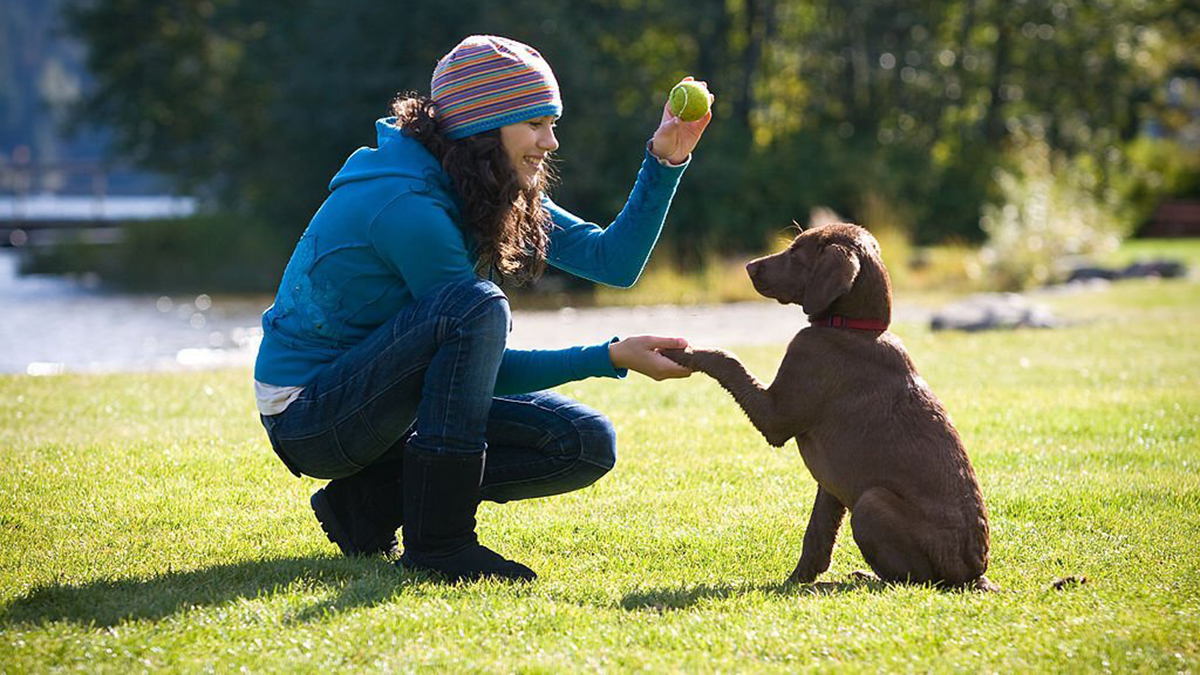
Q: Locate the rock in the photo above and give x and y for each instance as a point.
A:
(1089, 272)
(993, 311)
(1063, 583)
(1161, 267)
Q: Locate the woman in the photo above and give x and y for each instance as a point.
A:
(383, 363)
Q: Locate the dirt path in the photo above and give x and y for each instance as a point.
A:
(727, 325)
(45, 317)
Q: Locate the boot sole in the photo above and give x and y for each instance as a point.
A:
(329, 523)
(406, 562)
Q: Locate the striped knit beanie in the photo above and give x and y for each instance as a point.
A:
(487, 82)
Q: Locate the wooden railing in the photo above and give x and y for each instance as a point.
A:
(43, 201)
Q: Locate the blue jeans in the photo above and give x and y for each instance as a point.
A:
(427, 378)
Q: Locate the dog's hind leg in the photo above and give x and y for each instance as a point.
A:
(823, 525)
(889, 534)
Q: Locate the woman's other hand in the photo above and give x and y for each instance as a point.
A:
(675, 139)
(640, 353)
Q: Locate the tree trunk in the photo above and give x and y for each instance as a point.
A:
(993, 120)
(713, 42)
(760, 28)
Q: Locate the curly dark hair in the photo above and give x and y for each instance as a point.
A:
(506, 220)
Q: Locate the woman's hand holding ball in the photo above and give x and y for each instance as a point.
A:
(687, 112)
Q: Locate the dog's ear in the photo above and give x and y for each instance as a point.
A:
(831, 277)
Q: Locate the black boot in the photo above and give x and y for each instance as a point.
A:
(361, 513)
(441, 493)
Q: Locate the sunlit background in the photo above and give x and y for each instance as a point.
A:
(159, 158)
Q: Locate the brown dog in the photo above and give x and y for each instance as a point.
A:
(870, 430)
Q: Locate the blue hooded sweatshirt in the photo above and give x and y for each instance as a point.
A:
(389, 233)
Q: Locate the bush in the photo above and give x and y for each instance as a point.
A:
(1051, 213)
(209, 253)
(1156, 169)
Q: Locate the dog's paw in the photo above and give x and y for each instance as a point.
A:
(798, 577)
(862, 575)
(985, 585)
(684, 357)
(806, 572)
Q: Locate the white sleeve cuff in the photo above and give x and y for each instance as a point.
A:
(663, 161)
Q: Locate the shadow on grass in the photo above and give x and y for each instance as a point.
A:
(670, 599)
(341, 583)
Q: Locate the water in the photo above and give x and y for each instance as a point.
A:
(50, 325)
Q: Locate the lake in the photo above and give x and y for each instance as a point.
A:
(53, 324)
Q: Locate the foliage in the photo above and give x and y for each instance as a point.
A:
(1050, 216)
(148, 526)
(667, 282)
(208, 253)
(1157, 168)
(818, 103)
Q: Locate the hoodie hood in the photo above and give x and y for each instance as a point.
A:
(396, 155)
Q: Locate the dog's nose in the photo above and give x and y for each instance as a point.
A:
(752, 268)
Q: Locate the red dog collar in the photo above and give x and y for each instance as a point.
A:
(843, 322)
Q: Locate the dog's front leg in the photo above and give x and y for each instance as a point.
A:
(750, 394)
(823, 525)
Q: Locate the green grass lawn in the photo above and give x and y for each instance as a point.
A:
(146, 525)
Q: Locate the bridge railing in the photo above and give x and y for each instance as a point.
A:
(78, 193)
(41, 202)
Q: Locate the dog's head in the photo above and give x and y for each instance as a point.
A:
(835, 264)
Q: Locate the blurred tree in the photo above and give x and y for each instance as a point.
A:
(904, 103)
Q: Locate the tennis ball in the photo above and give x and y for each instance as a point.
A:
(689, 101)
